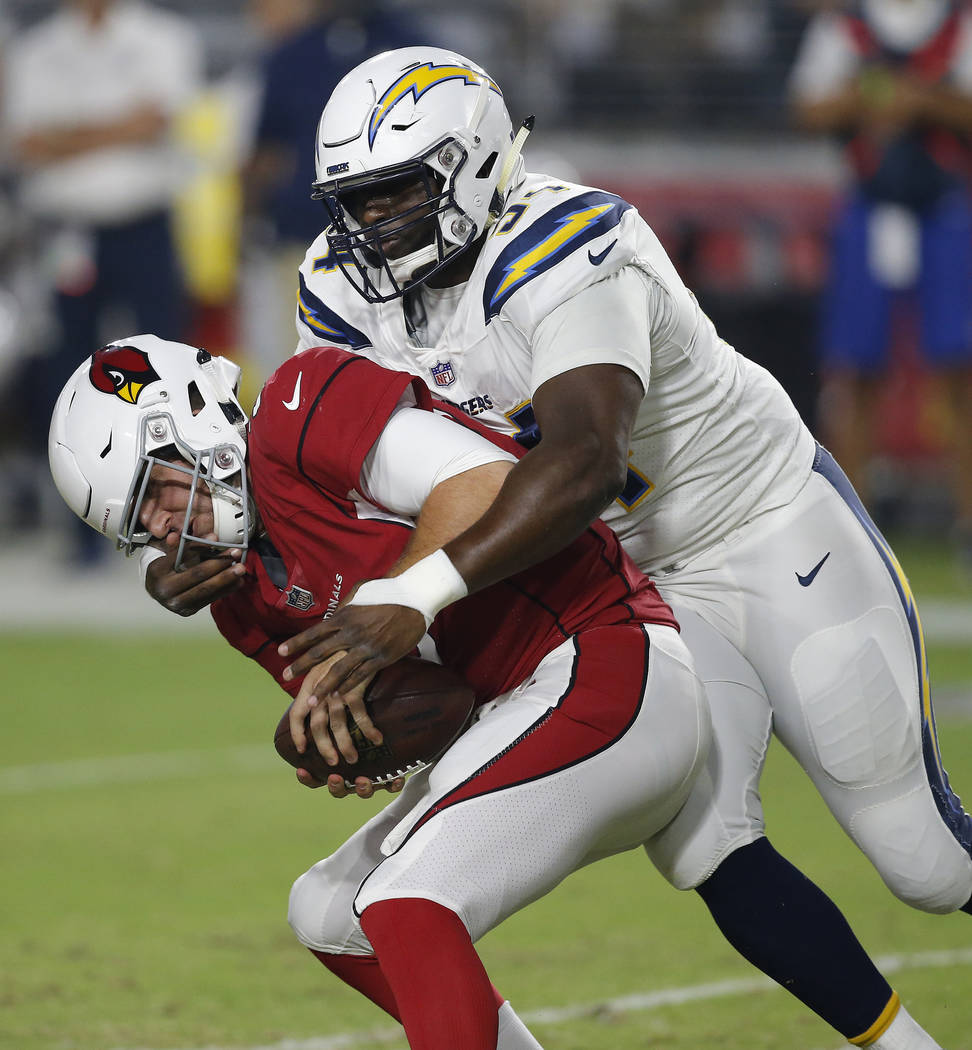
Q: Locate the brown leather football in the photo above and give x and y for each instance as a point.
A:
(420, 708)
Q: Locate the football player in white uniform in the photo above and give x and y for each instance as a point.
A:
(546, 308)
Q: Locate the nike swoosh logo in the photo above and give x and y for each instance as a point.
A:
(596, 260)
(294, 402)
(805, 581)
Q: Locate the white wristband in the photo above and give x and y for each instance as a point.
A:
(427, 586)
(146, 555)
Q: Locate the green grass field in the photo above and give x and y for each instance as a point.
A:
(150, 836)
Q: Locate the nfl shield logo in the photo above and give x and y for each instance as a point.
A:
(442, 373)
(298, 598)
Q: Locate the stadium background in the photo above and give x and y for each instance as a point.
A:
(149, 835)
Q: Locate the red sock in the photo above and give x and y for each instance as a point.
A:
(437, 979)
(363, 973)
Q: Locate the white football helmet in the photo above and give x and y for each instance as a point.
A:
(142, 401)
(418, 113)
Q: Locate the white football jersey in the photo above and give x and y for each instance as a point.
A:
(569, 276)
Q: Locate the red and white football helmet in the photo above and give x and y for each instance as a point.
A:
(423, 112)
(141, 401)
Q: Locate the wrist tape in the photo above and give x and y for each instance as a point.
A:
(427, 586)
(146, 555)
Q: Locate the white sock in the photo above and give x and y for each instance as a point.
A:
(514, 1034)
(904, 1033)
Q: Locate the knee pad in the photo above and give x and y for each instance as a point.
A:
(860, 700)
(915, 853)
(321, 916)
(302, 914)
(696, 842)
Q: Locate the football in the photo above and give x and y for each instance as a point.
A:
(420, 708)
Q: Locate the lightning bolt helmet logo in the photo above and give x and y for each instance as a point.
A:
(416, 82)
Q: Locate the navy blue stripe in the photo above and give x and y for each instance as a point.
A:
(949, 804)
(315, 314)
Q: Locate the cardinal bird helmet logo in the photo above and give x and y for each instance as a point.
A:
(121, 370)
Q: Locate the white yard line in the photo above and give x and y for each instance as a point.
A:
(624, 1004)
(131, 769)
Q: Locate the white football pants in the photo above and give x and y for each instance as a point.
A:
(592, 755)
(802, 623)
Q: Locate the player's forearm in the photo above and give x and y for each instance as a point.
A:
(451, 508)
(842, 111)
(47, 145)
(948, 108)
(545, 503)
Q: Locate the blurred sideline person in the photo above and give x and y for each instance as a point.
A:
(550, 312)
(310, 46)
(893, 80)
(89, 97)
(591, 726)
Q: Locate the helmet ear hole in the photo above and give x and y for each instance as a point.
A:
(486, 168)
(196, 401)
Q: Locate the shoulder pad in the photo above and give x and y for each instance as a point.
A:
(548, 240)
(325, 322)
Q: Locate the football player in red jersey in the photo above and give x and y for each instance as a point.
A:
(591, 725)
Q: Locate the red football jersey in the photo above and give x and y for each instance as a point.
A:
(317, 418)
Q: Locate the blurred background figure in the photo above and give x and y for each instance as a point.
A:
(308, 46)
(892, 79)
(23, 322)
(90, 96)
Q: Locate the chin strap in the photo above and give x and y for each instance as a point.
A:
(509, 164)
(404, 269)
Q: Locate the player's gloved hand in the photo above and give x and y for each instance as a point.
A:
(328, 715)
(200, 583)
(371, 637)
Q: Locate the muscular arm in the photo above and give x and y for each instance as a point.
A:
(453, 507)
(558, 488)
(450, 507)
(551, 495)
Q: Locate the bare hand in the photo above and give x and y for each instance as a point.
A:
(204, 580)
(363, 787)
(370, 636)
(328, 716)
